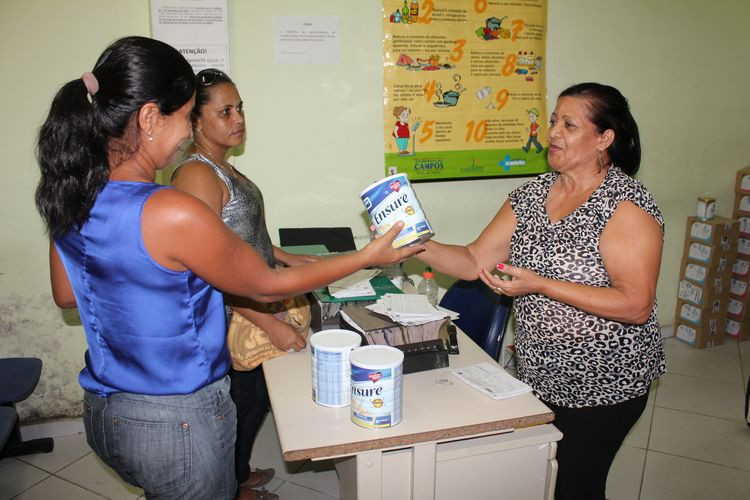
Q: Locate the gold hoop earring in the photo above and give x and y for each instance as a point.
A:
(599, 163)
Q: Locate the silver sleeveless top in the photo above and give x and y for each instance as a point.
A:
(243, 213)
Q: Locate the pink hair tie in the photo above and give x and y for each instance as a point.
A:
(91, 83)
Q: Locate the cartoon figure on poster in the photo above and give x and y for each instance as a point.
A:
(401, 130)
(533, 131)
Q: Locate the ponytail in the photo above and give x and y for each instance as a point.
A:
(72, 157)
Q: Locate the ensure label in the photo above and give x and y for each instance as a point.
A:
(696, 273)
(699, 252)
(686, 333)
(376, 382)
(391, 200)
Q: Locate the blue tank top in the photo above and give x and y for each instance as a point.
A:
(149, 329)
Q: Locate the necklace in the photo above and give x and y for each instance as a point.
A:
(224, 165)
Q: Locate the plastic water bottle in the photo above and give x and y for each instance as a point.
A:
(428, 287)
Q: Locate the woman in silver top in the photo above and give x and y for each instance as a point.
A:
(218, 126)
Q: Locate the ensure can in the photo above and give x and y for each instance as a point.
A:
(706, 207)
(330, 366)
(392, 199)
(377, 372)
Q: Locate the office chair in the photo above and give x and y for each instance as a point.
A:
(336, 239)
(484, 314)
(19, 379)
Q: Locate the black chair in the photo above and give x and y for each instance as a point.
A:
(484, 314)
(8, 418)
(336, 239)
(19, 378)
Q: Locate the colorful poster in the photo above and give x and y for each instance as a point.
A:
(464, 88)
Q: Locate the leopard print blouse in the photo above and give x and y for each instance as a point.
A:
(571, 358)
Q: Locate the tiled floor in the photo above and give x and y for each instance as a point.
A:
(690, 443)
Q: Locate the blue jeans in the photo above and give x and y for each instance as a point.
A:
(179, 447)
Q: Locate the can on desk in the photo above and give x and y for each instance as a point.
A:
(706, 207)
(377, 373)
(331, 377)
(392, 199)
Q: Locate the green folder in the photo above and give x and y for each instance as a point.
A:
(381, 284)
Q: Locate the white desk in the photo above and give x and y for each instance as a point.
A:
(452, 442)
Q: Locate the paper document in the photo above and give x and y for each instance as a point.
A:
(354, 285)
(491, 380)
(407, 309)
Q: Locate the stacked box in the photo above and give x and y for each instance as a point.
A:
(706, 281)
(738, 306)
(737, 330)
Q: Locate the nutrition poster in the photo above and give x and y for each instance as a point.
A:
(464, 88)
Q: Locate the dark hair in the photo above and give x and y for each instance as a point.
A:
(206, 79)
(609, 109)
(81, 131)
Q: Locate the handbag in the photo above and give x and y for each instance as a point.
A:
(250, 346)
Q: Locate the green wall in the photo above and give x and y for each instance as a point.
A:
(314, 132)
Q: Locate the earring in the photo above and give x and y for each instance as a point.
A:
(599, 163)
(150, 137)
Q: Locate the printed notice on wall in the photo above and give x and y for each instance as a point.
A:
(464, 88)
(197, 28)
(307, 39)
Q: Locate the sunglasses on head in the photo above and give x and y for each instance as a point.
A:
(209, 76)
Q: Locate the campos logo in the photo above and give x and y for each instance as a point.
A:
(426, 164)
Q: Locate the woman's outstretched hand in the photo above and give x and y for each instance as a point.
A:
(521, 282)
(380, 251)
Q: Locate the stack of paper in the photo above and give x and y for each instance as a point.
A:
(409, 309)
(354, 285)
(491, 380)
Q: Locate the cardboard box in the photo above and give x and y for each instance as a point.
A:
(711, 295)
(718, 230)
(710, 255)
(737, 330)
(695, 316)
(702, 274)
(743, 246)
(744, 222)
(742, 182)
(742, 203)
(738, 309)
(741, 268)
(700, 338)
(739, 288)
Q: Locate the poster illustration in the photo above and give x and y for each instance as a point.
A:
(464, 88)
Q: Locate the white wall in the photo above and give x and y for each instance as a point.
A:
(314, 132)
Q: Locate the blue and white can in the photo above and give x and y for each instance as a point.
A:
(377, 395)
(330, 366)
(392, 199)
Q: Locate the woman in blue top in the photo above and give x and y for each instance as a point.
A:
(139, 260)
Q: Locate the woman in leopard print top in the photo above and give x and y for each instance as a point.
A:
(584, 247)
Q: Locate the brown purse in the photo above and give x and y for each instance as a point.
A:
(250, 346)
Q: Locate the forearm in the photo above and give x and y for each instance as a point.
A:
(281, 283)
(259, 317)
(607, 302)
(453, 260)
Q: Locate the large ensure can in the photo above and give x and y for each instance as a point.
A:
(330, 366)
(392, 199)
(377, 372)
(706, 207)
